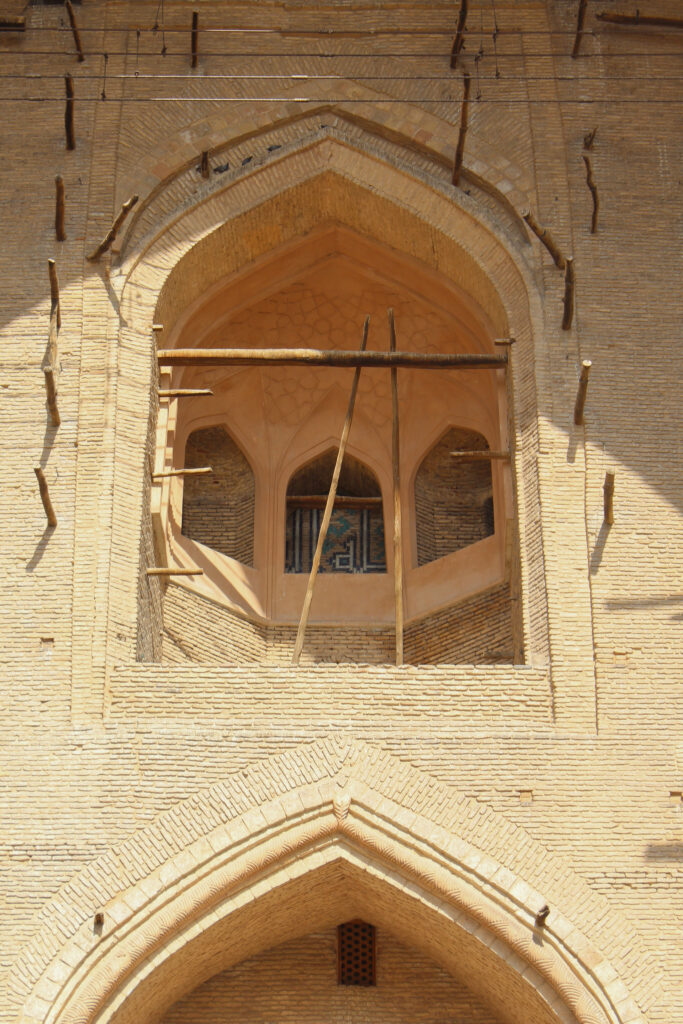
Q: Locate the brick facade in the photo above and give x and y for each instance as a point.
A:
(163, 763)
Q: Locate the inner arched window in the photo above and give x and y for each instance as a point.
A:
(453, 497)
(355, 538)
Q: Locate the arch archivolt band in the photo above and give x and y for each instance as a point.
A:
(307, 859)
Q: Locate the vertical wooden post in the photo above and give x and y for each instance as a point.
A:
(579, 27)
(59, 209)
(581, 394)
(396, 470)
(460, 148)
(569, 279)
(45, 496)
(69, 113)
(329, 505)
(608, 497)
(195, 37)
(204, 164)
(459, 32)
(74, 29)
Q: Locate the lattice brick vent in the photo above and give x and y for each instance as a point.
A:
(356, 953)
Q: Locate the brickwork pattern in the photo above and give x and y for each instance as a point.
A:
(567, 766)
(474, 632)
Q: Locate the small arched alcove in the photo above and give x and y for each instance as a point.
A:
(453, 495)
(355, 537)
(218, 507)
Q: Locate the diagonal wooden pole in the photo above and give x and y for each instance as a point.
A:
(327, 515)
(395, 460)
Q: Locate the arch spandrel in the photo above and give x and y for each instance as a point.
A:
(294, 856)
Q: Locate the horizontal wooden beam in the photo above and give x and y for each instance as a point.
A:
(12, 23)
(200, 471)
(652, 21)
(321, 357)
(175, 572)
(183, 392)
(340, 501)
(485, 455)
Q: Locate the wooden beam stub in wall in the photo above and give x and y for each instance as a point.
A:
(198, 471)
(459, 32)
(45, 496)
(464, 115)
(184, 392)
(59, 209)
(69, 113)
(649, 20)
(486, 455)
(74, 29)
(108, 239)
(194, 39)
(582, 391)
(569, 286)
(592, 187)
(544, 236)
(608, 498)
(51, 389)
(165, 571)
(580, 19)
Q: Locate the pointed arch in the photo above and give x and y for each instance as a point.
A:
(265, 858)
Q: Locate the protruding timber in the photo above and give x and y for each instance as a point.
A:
(195, 37)
(487, 455)
(581, 17)
(544, 236)
(329, 505)
(12, 23)
(204, 168)
(51, 389)
(332, 357)
(157, 327)
(593, 191)
(542, 916)
(74, 29)
(183, 392)
(54, 291)
(569, 282)
(589, 138)
(464, 113)
(608, 497)
(652, 21)
(113, 230)
(45, 496)
(69, 113)
(459, 32)
(174, 572)
(396, 473)
(59, 209)
(198, 471)
(581, 393)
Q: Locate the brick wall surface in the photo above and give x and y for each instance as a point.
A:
(102, 732)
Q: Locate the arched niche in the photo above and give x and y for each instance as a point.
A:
(453, 496)
(311, 857)
(218, 507)
(355, 536)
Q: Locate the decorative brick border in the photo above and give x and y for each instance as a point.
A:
(215, 859)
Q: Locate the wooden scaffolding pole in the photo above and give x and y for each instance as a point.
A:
(45, 496)
(59, 209)
(74, 30)
(460, 148)
(108, 239)
(327, 515)
(333, 357)
(396, 471)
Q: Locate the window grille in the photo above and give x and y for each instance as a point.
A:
(356, 953)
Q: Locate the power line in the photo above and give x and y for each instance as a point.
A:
(388, 100)
(132, 76)
(257, 55)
